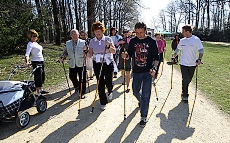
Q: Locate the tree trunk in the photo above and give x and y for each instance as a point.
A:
(208, 14)
(56, 23)
(90, 15)
(197, 13)
(76, 15)
(63, 17)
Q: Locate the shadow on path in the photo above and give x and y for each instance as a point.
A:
(175, 124)
(116, 136)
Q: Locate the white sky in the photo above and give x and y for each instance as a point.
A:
(153, 8)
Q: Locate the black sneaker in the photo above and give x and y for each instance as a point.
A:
(143, 122)
(41, 97)
(185, 99)
(44, 92)
(127, 90)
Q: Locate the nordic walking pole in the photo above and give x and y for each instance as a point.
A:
(171, 76)
(170, 88)
(82, 79)
(188, 123)
(154, 84)
(66, 77)
(98, 81)
(124, 83)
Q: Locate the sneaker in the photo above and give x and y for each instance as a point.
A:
(41, 97)
(44, 92)
(127, 90)
(143, 122)
(103, 107)
(110, 97)
(82, 96)
(185, 98)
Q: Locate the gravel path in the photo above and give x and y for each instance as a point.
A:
(166, 121)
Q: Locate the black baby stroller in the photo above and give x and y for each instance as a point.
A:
(18, 96)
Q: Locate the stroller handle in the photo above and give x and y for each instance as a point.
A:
(14, 70)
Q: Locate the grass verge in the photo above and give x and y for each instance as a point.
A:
(53, 70)
(214, 74)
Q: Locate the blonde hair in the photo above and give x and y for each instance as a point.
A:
(30, 33)
(98, 26)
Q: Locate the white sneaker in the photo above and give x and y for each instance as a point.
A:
(110, 97)
(103, 107)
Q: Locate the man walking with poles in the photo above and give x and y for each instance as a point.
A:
(189, 45)
(75, 51)
(143, 50)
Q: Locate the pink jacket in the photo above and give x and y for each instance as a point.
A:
(161, 46)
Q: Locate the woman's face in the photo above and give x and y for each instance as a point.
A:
(98, 33)
(113, 32)
(158, 37)
(34, 38)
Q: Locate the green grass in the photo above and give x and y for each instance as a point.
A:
(53, 70)
(214, 74)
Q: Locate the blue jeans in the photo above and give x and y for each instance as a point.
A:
(143, 82)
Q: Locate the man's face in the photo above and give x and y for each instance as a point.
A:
(74, 35)
(185, 33)
(140, 33)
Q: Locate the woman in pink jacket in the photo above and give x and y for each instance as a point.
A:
(161, 48)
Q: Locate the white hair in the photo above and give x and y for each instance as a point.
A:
(74, 30)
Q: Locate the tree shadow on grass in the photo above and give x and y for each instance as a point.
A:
(175, 124)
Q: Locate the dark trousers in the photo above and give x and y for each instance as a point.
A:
(106, 79)
(77, 71)
(39, 73)
(187, 74)
(160, 60)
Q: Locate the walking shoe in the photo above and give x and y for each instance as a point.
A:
(41, 97)
(143, 122)
(110, 97)
(127, 90)
(44, 92)
(82, 96)
(103, 107)
(185, 99)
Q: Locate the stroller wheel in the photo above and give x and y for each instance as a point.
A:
(41, 105)
(23, 119)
